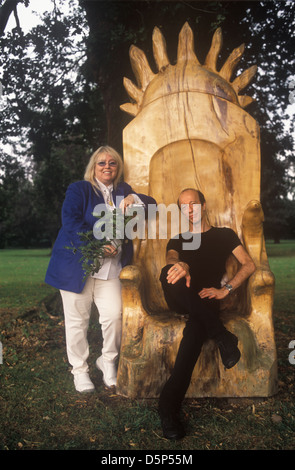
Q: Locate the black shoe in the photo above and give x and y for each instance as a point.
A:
(171, 425)
(228, 347)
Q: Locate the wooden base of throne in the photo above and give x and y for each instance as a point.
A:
(150, 344)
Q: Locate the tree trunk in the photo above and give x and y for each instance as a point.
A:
(5, 11)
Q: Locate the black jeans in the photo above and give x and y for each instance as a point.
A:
(203, 323)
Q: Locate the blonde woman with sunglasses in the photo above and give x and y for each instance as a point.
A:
(102, 184)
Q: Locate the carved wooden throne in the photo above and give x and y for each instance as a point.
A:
(190, 130)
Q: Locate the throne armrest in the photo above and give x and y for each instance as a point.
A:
(134, 313)
(260, 289)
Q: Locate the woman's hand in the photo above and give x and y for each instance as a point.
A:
(110, 251)
(212, 293)
(127, 201)
(177, 272)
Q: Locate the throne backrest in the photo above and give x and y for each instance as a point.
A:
(190, 130)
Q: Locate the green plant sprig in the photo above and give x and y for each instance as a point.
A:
(93, 250)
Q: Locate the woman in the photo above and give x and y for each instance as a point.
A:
(101, 185)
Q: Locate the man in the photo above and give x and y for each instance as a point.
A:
(191, 283)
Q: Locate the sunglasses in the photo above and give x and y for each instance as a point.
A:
(111, 164)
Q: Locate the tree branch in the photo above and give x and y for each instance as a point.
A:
(5, 11)
(16, 19)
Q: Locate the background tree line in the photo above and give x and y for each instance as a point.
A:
(63, 88)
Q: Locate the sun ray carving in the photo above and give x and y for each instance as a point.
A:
(185, 52)
(174, 78)
(228, 67)
(160, 50)
(216, 45)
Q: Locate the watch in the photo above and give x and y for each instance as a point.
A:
(229, 287)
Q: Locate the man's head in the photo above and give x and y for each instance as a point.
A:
(188, 202)
(195, 193)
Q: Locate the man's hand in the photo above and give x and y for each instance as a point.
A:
(178, 271)
(212, 293)
(246, 269)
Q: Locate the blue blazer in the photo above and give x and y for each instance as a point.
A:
(65, 268)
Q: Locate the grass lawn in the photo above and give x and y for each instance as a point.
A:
(22, 277)
(40, 409)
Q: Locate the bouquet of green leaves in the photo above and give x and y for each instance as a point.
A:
(94, 250)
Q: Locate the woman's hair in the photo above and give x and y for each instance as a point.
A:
(89, 174)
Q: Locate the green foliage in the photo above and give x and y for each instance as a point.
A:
(280, 221)
(52, 124)
(18, 221)
(94, 250)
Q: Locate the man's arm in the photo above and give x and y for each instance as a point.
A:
(178, 270)
(246, 269)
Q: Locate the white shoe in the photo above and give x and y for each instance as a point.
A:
(109, 371)
(83, 383)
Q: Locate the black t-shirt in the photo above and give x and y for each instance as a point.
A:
(207, 263)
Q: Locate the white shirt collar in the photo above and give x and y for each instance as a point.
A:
(103, 187)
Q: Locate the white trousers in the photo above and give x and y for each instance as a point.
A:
(106, 294)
